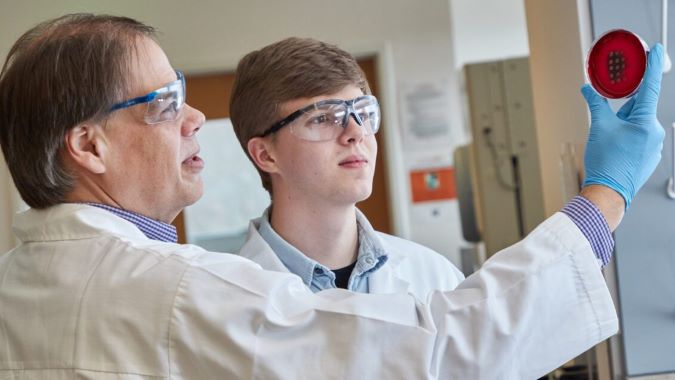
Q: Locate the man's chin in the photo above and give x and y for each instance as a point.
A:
(191, 194)
(358, 195)
(196, 194)
(364, 193)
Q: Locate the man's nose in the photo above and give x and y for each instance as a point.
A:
(194, 120)
(354, 131)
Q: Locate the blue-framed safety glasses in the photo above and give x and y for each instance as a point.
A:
(163, 104)
(326, 119)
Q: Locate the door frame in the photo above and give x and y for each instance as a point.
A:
(399, 188)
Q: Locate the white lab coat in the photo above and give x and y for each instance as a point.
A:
(87, 295)
(410, 267)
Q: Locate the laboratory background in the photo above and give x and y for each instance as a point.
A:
(482, 135)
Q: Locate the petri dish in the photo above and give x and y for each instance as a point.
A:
(616, 63)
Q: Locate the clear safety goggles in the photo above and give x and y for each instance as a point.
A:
(162, 105)
(327, 119)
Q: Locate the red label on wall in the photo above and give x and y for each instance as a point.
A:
(433, 184)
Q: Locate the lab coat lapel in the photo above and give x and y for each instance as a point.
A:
(387, 279)
(256, 249)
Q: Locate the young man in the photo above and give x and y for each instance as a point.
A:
(303, 111)
(104, 151)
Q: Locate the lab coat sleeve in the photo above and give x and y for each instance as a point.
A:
(530, 308)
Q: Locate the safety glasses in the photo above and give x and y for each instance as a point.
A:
(162, 105)
(325, 120)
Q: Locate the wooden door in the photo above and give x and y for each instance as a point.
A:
(211, 93)
(376, 208)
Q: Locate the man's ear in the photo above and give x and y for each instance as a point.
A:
(261, 152)
(85, 147)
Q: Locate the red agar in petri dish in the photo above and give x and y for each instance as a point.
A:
(616, 63)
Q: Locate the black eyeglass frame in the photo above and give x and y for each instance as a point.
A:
(350, 111)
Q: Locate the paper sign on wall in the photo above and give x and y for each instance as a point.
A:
(426, 110)
(433, 184)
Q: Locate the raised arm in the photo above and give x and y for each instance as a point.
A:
(529, 309)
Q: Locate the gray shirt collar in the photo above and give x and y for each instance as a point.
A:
(371, 257)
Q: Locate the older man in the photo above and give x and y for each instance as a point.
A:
(100, 143)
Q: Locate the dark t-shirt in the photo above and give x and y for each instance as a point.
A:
(342, 275)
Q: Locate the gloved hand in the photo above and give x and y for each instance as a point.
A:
(624, 149)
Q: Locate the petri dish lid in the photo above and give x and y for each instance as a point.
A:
(616, 63)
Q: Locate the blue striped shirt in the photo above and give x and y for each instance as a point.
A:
(593, 225)
(153, 229)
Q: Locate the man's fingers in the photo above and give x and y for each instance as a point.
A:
(596, 103)
(647, 96)
(626, 109)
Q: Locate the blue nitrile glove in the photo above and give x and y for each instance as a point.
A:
(624, 149)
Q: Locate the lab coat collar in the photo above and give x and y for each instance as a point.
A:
(257, 249)
(70, 221)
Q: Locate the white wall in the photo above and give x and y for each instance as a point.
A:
(413, 39)
(487, 30)
(556, 35)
